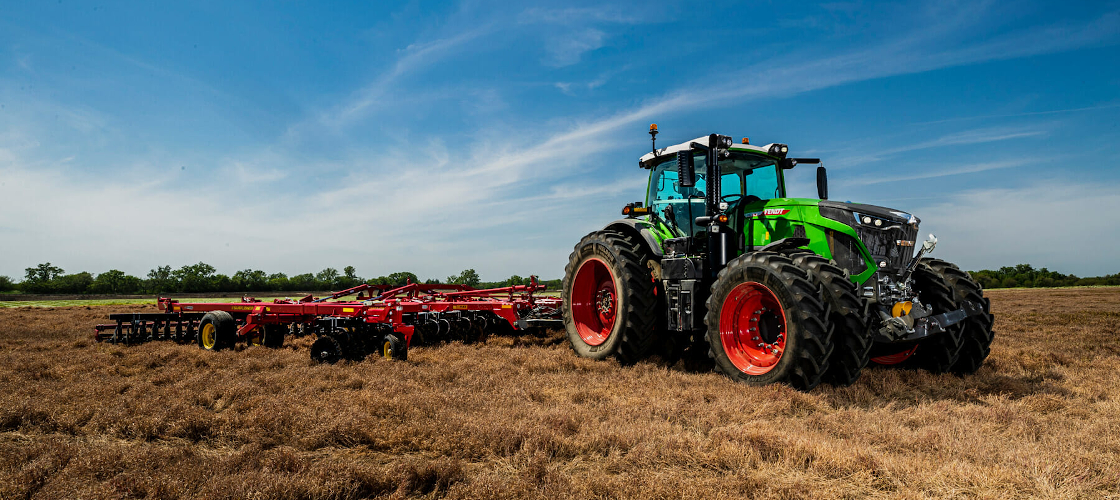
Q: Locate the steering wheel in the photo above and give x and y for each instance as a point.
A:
(731, 199)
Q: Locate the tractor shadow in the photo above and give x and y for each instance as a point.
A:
(880, 386)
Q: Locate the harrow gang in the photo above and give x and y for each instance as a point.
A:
(388, 320)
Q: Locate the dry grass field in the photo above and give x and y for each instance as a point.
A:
(524, 417)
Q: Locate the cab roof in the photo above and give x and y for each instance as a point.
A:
(649, 159)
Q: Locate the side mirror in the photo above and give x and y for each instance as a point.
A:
(686, 169)
(822, 183)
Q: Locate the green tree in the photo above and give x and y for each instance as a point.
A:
(402, 278)
(195, 278)
(6, 284)
(114, 281)
(73, 283)
(41, 278)
(327, 278)
(349, 278)
(277, 282)
(43, 273)
(468, 277)
(161, 280)
(303, 282)
(250, 281)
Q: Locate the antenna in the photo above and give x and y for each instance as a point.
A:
(653, 137)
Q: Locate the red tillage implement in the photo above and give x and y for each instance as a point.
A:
(386, 322)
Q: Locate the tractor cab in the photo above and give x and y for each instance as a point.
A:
(748, 177)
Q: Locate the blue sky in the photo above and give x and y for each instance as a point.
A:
(437, 136)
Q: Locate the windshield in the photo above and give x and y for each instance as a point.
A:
(743, 173)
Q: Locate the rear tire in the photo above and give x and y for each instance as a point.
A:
(765, 323)
(610, 308)
(216, 331)
(847, 319)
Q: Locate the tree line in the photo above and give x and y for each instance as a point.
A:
(202, 278)
(1024, 275)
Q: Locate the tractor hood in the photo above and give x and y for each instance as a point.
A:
(888, 214)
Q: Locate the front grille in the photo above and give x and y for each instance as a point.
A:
(884, 244)
(845, 251)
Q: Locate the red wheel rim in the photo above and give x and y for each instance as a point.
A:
(894, 359)
(594, 301)
(752, 328)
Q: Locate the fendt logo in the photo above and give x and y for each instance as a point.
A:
(769, 211)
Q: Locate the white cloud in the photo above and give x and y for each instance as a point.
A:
(568, 49)
(1067, 227)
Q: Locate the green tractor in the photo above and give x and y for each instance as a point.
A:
(718, 260)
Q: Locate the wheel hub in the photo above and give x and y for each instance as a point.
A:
(594, 301)
(604, 300)
(753, 328)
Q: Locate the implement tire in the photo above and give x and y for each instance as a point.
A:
(936, 354)
(976, 331)
(274, 335)
(765, 323)
(393, 346)
(847, 318)
(610, 308)
(216, 331)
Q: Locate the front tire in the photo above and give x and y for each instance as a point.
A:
(610, 306)
(976, 331)
(847, 319)
(940, 352)
(764, 323)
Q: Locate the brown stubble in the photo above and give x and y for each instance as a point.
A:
(524, 417)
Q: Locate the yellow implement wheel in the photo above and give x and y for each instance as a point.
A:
(216, 331)
(208, 337)
(394, 347)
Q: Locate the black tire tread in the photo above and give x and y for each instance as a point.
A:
(638, 334)
(225, 329)
(810, 362)
(936, 354)
(847, 318)
(977, 334)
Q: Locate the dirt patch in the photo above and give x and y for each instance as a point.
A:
(524, 417)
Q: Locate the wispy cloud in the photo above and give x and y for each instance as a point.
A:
(967, 137)
(918, 172)
(568, 49)
(412, 58)
(1023, 114)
